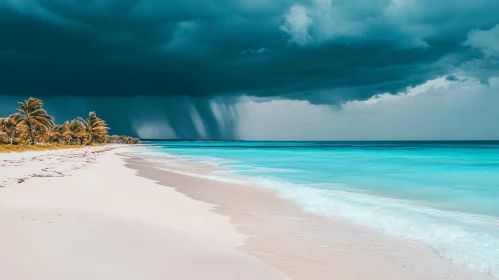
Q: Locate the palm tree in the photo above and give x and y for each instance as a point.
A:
(56, 133)
(75, 132)
(33, 124)
(34, 116)
(66, 135)
(95, 127)
(22, 134)
(3, 136)
(8, 126)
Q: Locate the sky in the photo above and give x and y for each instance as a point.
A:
(260, 69)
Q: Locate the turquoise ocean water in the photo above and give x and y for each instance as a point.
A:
(445, 194)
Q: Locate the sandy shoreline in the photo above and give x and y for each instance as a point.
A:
(85, 214)
(98, 220)
(300, 244)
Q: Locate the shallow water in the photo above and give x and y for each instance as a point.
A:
(445, 194)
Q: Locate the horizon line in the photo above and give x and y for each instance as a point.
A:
(226, 140)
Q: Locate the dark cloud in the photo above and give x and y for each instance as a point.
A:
(145, 116)
(322, 51)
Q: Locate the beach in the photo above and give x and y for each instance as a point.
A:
(113, 212)
(90, 217)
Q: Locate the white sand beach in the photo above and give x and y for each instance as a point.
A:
(81, 214)
(104, 213)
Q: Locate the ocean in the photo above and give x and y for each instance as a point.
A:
(445, 194)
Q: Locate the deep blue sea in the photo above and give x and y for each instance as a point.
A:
(445, 194)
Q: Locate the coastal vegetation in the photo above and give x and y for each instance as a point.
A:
(32, 128)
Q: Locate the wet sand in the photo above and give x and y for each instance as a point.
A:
(104, 213)
(299, 244)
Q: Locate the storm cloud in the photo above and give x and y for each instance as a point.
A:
(440, 109)
(183, 65)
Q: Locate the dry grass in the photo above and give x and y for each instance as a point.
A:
(23, 148)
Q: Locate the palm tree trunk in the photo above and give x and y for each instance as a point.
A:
(31, 133)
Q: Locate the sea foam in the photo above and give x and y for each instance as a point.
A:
(468, 239)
